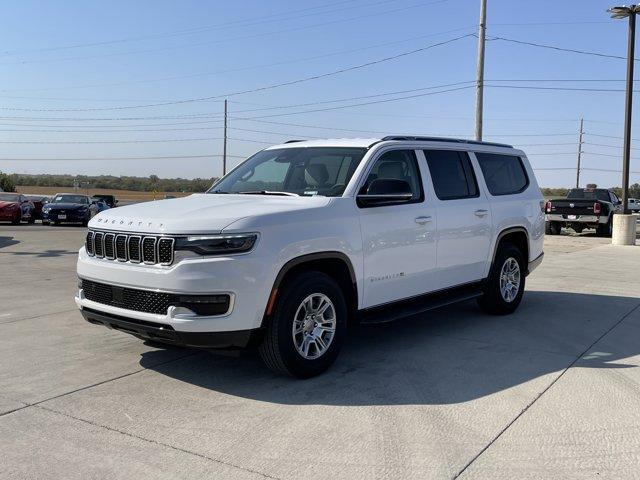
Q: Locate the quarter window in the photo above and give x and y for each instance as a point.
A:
(503, 174)
(452, 174)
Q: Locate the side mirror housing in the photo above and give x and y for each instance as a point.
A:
(385, 191)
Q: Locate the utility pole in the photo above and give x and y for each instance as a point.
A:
(480, 73)
(580, 142)
(224, 145)
(626, 155)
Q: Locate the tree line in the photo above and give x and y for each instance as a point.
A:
(138, 184)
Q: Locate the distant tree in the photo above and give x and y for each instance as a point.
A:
(6, 183)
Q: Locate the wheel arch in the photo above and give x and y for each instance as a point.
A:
(518, 236)
(335, 264)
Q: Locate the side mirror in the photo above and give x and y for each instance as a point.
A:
(385, 191)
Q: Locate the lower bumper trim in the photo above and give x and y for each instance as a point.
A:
(533, 264)
(166, 334)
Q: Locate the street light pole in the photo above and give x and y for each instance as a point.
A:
(626, 156)
(482, 29)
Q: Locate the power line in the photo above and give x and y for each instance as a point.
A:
(272, 133)
(560, 89)
(253, 90)
(166, 140)
(227, 39)
(82, 159)
(562, 49)
(189, 31)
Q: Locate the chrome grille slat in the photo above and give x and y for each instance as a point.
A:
(124, 247)
(98, 246)
(109, 247)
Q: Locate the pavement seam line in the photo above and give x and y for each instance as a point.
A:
(545, 390)
(156, 442)
(37, 316)
(86, 387)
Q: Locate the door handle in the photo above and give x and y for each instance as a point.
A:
(423, 220)
(481, 213)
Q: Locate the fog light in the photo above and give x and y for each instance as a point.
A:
(205, 304)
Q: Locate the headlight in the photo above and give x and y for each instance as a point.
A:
(217, 244)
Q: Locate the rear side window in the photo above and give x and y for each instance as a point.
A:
(503, 174)
(452, 174)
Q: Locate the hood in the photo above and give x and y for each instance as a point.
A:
(4, 203)
(66, 206)
(199, 213)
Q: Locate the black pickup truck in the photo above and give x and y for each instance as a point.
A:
(582, 208)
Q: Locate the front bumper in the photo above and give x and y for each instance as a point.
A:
(552, 217)
(70, 216)
(166, 334)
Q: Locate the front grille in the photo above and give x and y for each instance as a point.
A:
(153, 302)
(149, 249)
(109, 248)
(97, 244)
(123, 247)
(89, 242)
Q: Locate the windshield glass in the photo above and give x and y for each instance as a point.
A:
(301, 171)
(587, 194)
(70, 199)
(9, 197)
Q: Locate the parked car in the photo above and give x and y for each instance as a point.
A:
(15, 207)
(68, 208)
(38, 202)
(589, 207)
(110, 200)
(304, 238)
(634, 204)
(100, 204)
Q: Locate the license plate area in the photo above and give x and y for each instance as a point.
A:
(62, 216)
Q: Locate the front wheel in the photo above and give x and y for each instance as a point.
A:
(505, 284)
(308, 326)
(552, 228)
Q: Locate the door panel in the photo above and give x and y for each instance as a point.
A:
(464, 218)
(399, 244)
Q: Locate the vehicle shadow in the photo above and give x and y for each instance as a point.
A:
(8, 241)
(451, 355)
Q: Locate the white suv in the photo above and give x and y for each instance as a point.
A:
(304, 238)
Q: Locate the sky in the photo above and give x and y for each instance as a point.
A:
(137, 88)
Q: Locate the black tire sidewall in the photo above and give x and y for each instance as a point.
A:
(493, 301)
(292, 296)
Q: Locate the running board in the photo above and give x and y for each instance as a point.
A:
(413, 306)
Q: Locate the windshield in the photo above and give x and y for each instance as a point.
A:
(70, 199)
(9, 197)
(300, 171)
(587, 194)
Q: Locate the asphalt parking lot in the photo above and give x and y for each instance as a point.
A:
(552, 391)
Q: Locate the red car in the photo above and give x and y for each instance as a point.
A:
(15, 207)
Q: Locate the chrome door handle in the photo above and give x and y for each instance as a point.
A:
(422, 220)
(481, 213)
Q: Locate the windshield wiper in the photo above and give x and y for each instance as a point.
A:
(267, 192)
(217, 191)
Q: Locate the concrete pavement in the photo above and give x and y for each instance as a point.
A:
(550, 392)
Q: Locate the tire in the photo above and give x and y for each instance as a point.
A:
(278, 348)
(16, 221)
(605, 229)
(552, 228)
(31, 220)
(578, 229)
(493, 301)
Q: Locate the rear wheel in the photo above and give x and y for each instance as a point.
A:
(308, 326)
(16, 220)
(552, 228)
(505, 285)
(605, 229)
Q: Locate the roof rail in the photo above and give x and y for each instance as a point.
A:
(442, 139)
(294, 141)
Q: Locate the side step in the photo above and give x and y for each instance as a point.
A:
(423, 303)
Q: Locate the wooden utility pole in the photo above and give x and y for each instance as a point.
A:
(580, 142)
(482, 29)
(224, 145)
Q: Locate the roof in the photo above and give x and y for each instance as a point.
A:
(368, 142)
